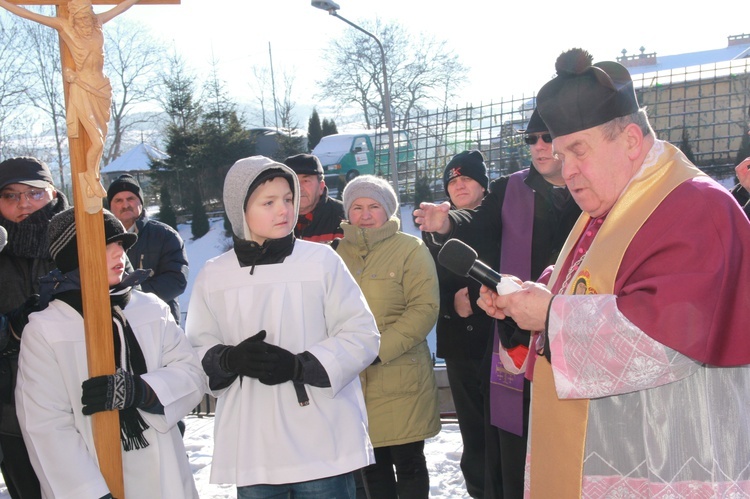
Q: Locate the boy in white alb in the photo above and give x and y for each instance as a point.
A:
(283, 332)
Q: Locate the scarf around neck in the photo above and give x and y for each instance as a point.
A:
(28, 239)
(66, 287)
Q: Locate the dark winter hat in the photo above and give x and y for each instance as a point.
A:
(536, 124)
(583, 95)
(370, 186)
(124, 182)
(304, 164)
(468, 164)
(63, 245)
(25, 170)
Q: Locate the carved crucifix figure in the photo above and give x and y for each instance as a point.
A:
(90, 93)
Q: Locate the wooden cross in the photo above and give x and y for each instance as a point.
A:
(87, 92)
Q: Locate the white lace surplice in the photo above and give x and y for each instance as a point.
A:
(660, 424)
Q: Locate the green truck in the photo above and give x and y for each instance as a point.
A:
(350, 154)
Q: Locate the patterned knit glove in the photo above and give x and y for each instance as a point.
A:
(113, 392)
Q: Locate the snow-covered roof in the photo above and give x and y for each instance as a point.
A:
(738, 47)
(138, 159)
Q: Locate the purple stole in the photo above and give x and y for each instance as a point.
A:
(506, 388)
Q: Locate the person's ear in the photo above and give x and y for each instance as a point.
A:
(634, 140)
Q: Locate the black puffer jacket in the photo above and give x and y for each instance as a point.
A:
(22, 262)
(161, 249)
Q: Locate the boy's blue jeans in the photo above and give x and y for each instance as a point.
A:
(335, 487)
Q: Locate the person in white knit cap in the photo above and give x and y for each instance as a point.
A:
(398, 277)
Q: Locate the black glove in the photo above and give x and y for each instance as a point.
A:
(255, 358)
(277, 365)
(114, 392)
(236, 359)
(19, 317)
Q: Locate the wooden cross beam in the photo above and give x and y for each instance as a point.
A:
(93, 2)
(88, 95)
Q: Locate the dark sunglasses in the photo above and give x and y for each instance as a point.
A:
(532, 139)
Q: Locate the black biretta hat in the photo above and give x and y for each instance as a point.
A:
(584, 95)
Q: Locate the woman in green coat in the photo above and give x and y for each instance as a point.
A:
(397, 276)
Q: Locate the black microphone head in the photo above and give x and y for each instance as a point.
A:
(3, 237)
(457, 256)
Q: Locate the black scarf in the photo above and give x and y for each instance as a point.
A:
(250, 253)
(128, 354)
(28, 239)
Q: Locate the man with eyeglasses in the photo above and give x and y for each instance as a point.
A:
(526, 216)
(28, 201)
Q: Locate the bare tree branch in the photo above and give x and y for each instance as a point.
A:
(422, 71)
(132, 65)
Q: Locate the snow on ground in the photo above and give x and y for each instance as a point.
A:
(443, 451)
(443, 454)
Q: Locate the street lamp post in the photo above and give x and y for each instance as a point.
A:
(331, 7)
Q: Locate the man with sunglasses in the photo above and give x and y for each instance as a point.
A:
(526, 216)
(28, 201)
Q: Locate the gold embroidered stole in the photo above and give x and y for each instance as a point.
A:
(558, 427)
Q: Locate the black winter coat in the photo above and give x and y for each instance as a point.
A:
(481, 228)
(22, 262)
(161, 249)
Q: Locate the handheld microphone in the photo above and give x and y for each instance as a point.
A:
(461, 259)
(3, 238)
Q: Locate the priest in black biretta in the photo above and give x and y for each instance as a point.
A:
(584, 95)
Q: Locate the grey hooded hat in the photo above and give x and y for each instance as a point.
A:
(237, 183)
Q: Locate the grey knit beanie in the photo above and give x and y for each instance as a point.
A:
(370, 186)
(237, 184)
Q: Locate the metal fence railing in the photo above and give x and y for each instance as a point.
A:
(706, 107)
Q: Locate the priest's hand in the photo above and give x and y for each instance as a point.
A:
(528, 306)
